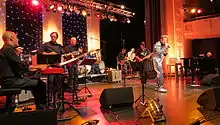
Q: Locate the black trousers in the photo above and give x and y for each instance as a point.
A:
(37, 86)
(73, 76)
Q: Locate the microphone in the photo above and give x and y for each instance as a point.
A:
(168, 46)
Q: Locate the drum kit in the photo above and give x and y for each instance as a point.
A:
(88, 69)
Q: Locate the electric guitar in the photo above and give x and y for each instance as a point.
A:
(138, 59)
(76, 58)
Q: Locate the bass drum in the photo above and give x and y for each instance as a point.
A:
(102, 66)
(84, 69)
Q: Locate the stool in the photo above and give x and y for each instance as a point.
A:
(9, 93)
(176, 69)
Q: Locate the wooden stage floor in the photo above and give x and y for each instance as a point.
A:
(179, 104)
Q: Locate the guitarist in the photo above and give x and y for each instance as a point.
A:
(143, 56)
(121, 58)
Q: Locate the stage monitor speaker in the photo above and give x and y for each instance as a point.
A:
(209, 79)
(210, 99)
(43, 117)
(117, 97)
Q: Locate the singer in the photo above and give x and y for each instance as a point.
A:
(160, 50)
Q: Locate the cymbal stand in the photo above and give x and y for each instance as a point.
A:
(85, 85)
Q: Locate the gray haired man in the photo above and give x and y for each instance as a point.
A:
(160, 51)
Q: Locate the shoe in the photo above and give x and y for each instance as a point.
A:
(162, 90)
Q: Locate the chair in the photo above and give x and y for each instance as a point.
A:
(173, 62)
(9, 93)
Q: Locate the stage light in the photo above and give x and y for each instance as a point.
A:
(211, 0)
(193, 10)
(98, 15)
(133, 14)
(52, 7)
(128, 20)
(199, 11)
(122, 6)
(84, 13)
(59, 8)
(35, 2)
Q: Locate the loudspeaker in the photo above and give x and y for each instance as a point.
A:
(117, 97)
(29, 118)
(210, 99)
(208, 79)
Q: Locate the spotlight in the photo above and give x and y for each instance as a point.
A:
(193, 10)
(70, 8)
(122, 6)
(59, 8)
(98, 15)
(199, 11)
(128, 20)
(35, 2)
(133, 14)
(52, 7)
(84, 13)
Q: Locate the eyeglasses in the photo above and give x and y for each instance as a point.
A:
(53, 36)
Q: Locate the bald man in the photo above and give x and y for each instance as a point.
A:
(12, 69)
(72, 46)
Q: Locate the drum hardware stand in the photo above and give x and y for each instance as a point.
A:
(73, 74)
(87, 62)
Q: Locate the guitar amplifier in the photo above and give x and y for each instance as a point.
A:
(114, 76)
(24, 96)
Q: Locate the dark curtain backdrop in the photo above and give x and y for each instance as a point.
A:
(24, 18)
(202, 46)
(116, 35)
(74, 25)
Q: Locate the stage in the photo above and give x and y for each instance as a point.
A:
(179, 104)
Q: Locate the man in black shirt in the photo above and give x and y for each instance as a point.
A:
(12, 68)
(52, 47)
(146, 65)
(121, 58)
(72, 46)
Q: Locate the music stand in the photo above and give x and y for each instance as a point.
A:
(48, 59)
(137, 67)
(84, 63)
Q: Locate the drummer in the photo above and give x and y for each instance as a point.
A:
(95, 69)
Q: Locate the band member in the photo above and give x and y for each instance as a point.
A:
(72, 46)
(143, 55)
(121, 58)
(52, 47)
(160, 51)
(131, 55)
(12, 69)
